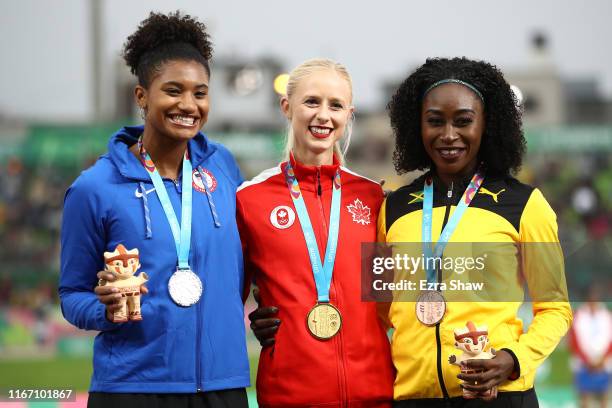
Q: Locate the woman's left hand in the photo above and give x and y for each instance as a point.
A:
(382, 183)
(493, 372)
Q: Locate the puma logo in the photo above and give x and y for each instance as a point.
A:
(492, 194)
(417, 197)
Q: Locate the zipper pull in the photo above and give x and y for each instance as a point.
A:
(319, 192)
(449, 194)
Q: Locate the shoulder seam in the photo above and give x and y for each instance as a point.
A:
(261, 177)
(357, 174)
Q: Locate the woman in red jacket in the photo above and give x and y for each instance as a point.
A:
(302, 224)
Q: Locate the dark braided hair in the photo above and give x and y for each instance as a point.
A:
(503, 144)
(161, 38)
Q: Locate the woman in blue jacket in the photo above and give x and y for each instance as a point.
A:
(168, 191)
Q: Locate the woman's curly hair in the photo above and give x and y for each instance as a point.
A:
(503, 144)
(166, 37)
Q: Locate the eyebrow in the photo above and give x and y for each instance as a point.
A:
(180, 85)
(333, 99)
(462, 110)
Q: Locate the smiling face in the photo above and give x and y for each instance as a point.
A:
(452, 124)
(318, 110)
(176, 102)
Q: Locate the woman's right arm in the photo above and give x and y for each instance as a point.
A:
(82, 247)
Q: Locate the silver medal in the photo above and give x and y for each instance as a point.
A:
(185, 287)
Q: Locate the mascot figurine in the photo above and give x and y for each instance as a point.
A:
(473, 341)
(123, 264)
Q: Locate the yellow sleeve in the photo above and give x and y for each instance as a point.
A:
(544, 271)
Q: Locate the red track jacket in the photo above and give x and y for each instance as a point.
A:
(352, 369)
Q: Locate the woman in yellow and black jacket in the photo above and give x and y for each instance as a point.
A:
(459, 119)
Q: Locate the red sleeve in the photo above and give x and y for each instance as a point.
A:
(244, 233)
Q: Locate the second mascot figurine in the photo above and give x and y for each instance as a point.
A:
(472, 341)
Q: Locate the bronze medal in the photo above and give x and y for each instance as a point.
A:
(430, 307)
(324, 321)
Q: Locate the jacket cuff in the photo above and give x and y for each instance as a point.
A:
(516, 371)
(102, 323)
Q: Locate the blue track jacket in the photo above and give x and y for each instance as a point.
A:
(173, 349)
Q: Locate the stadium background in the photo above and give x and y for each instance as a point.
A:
(567, 115)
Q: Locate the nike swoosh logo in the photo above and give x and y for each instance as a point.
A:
(138, 194)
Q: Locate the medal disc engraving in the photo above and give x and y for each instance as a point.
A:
(430, 307)
(185, 287)
(324, 321)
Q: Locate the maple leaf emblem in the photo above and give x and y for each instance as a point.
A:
(282, 214)
(360, 212)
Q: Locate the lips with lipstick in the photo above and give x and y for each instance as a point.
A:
(183, 120)
(320, 132)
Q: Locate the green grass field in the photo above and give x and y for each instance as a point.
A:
(65, 373)
(56, 372)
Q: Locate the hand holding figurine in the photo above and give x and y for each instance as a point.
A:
(483, 376)
(109, 295)
(481, 371)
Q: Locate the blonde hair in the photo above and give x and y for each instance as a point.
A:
(303, 70)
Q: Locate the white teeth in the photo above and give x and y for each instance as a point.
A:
(320, 131)
(184, 120)
(449, 151)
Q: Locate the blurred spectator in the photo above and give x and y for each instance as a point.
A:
(591, 345)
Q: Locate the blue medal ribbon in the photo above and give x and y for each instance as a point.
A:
(182, 233)
(322, 272)
(451, 225)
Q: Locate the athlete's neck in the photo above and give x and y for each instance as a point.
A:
(310, 158)
(166, 153)
(456, 178)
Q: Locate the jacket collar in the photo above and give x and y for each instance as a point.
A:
(130, 167)
(309, 177)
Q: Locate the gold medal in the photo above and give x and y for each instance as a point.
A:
(430, 307)
(324, 321)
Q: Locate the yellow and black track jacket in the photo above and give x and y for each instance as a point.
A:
(503, 211)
